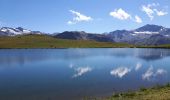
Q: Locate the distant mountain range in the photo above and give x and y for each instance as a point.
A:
(8, 31)
(81, 35)
(145, 35)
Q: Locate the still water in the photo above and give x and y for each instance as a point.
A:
(72, 74)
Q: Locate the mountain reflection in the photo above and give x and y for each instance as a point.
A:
(152, 54)
(37, 55)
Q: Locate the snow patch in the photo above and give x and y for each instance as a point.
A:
(146, 32)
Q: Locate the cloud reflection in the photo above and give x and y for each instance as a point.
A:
(150, 74)
(160, 72)
(138, 66)
(81, 71)
(120, 72)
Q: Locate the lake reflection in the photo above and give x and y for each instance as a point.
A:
(72, 74)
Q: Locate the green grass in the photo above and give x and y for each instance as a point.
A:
(156, 46)
(43, 41)
(164, 46)
(155, 93)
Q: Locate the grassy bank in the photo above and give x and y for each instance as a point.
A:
(166, 46)
(156, 93)
(43, 41)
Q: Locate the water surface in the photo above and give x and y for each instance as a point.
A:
(72, 74)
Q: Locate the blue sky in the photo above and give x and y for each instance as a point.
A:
(83, 15)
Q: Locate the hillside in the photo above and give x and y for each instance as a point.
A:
(45, 41)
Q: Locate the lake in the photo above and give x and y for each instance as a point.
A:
(73, 74)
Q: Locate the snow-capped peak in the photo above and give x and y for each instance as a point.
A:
(16, 31)
(9, 30)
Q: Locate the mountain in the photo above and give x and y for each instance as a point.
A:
(8, 31)
(150, 28)
(156, 39)
(145, 35)
(81, 35)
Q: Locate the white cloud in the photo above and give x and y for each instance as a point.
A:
(120, 14)
(120, 72)
(148, 10)
(81, 70)
(152, 9)
(123, 15)
(150, 74)
(78, 17)
(160, 13)
(138, 19)
(138, 66)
